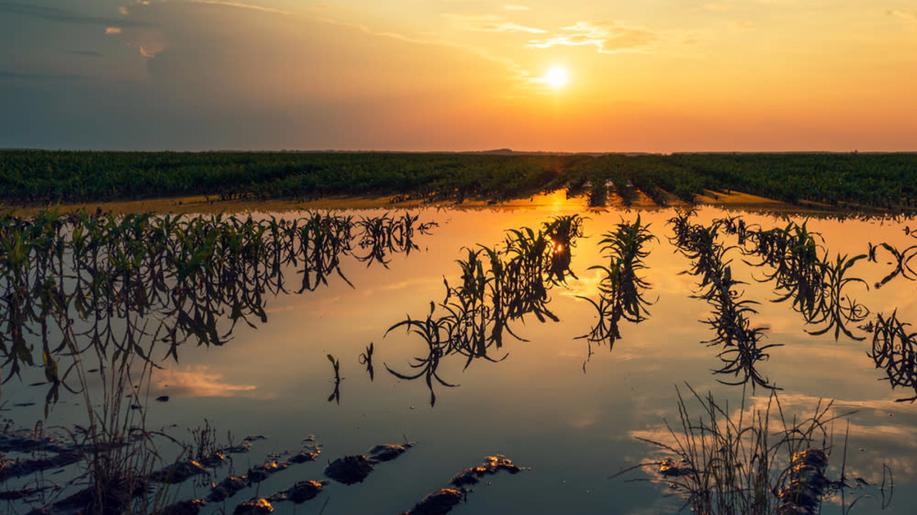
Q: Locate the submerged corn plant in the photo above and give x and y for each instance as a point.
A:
(741, 342)
(497, 287)
(621, 290)
(894, 349)
(902, 262)
(336, 380)
(817, 287)
(803, 274)
(106, 282)
(103, 299)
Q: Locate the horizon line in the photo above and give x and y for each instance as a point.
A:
(493, 151)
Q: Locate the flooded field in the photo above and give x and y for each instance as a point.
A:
(504, 360)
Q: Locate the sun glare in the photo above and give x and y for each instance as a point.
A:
(556, 77)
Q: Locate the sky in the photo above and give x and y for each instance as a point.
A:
(577, 75)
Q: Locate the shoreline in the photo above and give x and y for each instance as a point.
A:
(205, 204)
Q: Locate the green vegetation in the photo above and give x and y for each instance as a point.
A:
(885, 181)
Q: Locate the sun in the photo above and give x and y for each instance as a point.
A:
(556, 77)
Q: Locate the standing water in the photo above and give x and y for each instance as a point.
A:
(573, 357)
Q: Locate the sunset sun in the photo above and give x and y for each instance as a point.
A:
(557, 78)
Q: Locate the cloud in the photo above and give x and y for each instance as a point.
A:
(113, 31)
(515, 27)
(238, 5)
(9, 75)
(903, 15)
(199, 382)
(62, 15)
(515, 7)
(85, 53)
(482, 53)
(490, 23)
(717, 7)
(148, 53)
(606, 39)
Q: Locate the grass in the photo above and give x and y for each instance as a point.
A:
(757, 459)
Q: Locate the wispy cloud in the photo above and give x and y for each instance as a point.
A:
(200, 382)
(717, 7)
(11, 75)
(63, 15)
(490, 23)
(909, 16)
(515, 7)
(85, 53)
(480, 52)
(148, 53)
(514, 27)
(238, 5)
(126, 10)
(605, 38)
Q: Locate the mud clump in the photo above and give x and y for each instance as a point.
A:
(301, 492)
(349, 469)
(670, 468)
(354, 469)
(306, 455)
(806, 485)
(439, 502)
(22, 494)
(215, 459)
(491, 465)
(258, 506)
(192, 507)
(443, 500)
(388, 451)
(24, 442)
(116, 496)
(178, 472)
(226, 488)
(263, 471)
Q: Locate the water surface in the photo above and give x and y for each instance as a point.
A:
(572, 419)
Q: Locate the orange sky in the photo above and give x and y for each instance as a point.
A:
(655, 75)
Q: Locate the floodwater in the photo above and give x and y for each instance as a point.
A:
(571, 419)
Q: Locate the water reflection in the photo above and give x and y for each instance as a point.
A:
(742, 347)
(622, 289)
(816, 286)
(497, 286)
(124, 293)
(756, 459)
(901, 261)
(572, 428)
(894, 349)
(126, 285)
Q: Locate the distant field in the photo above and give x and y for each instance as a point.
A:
(884, 181)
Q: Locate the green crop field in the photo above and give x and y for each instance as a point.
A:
(883, 181)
